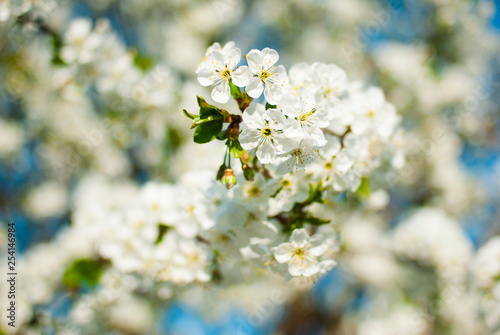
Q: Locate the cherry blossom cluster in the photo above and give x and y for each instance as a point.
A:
(310, 116)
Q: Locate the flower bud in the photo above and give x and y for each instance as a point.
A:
(248, 173)
(229, 179)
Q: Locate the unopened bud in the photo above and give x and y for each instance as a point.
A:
(229, 179)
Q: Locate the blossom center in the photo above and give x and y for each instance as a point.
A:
(254, 191)
(266, 131)
(304, 117)
(226, 74)
(265, 74)
(299, 252)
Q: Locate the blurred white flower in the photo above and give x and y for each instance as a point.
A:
(301, 253)
(80, 43)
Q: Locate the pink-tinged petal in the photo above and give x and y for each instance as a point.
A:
(231, 57)
(254, 61)
(269, 57)
(206, 76)
(242, 76)
(273, 93)
(253, 116)
(283, 253)
(254, 87)
(221, 92)
(249, 138)
(266, 153)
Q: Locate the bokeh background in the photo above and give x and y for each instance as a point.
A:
(74, 118)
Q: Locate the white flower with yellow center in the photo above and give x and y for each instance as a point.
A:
(305, 117)
(263, 129)
(268, 78)
(217, 69)
(331, 79)
(300, 157)
(301, 253)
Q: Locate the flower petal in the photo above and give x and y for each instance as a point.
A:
(232, 57)
(221, 92)
(254, 87)
(254, 61)
(206, 76)
(273, 93)
(266, 153)
(269, 57)
(249, 138)
(241, 76)
(299, 237)
(286, 166)
(283, 253)
(252, 116)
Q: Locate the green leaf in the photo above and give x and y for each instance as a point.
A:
(235, 91)
(236, 149)
(208, 124)
(268, 105)
(364, 188)
(249, 174)
(83, 272)
(206, 132)
(202, 103)
(220, 173)
(315, 193)
(162, 230)
(316, 221)
(191, 116)
(211, 111)
(57, 45)
(208, 115)
(143, 62)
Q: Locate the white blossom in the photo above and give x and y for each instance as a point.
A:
(301, 253)
(268, 77)
(263, 129)
(218, 68)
